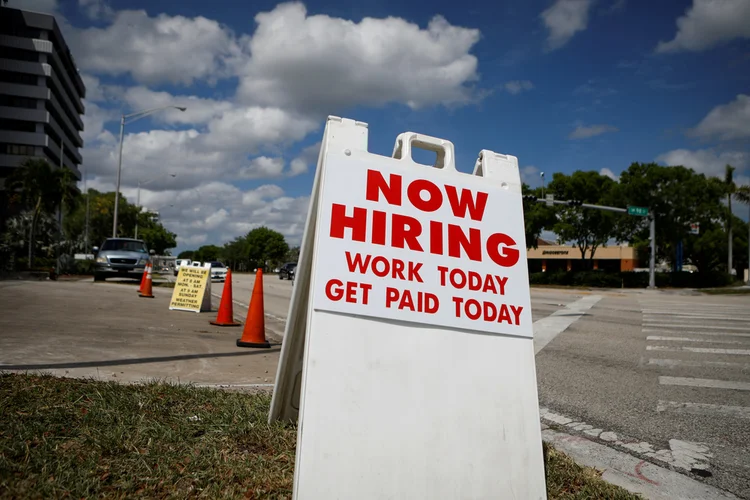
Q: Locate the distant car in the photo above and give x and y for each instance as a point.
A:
(287, 270)
(180, 262)
(120, 257)
(218, 271)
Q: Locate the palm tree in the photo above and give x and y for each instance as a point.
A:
(730, 189)
(41, 190)
(742, 193)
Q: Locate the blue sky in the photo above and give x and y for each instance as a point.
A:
(563, 85)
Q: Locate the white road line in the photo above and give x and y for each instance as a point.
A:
(705, 382)
(691, 317)
(688, 339)
(693, 332)
(704, 409)
(546, 329)
(673, 363)
(705, 350)
(713, 326)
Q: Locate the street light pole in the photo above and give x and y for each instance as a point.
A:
(652, 259)
(134, 116)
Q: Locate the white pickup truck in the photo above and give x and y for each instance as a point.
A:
(185, 262)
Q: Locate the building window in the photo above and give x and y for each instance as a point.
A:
(16, 149)
(18, 54)
(22, 78)
(17, 102)
(17, 125)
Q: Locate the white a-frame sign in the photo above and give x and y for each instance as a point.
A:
(408, 355)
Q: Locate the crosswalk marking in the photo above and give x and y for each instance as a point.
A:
(722, 316)
(688, 339)
(704, 350)
(673, 363)
(704, 409)
(652, 324)
(695, 332)
(705, 382)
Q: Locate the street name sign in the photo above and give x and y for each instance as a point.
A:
(550, 200)
(639, 211)
(408, 356)
(695, 228)
(192, 291)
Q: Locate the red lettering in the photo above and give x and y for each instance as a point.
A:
(475, 314)
(414, 193)
(489, 284)
(357, 262)
(391, 295)
(466, 202)
(504, 315)
(505, 256)
(376, 184)
(475, 281)
(398, 269)
(386, 267)
(431, 303)
(436, 237)
(458, 301)
(490, 316)
(405, 231)
(406, 301)
(334, 294)
(340, 221)
(457, 240)
(517, 313)
(454, 281)
(443, 270)
(501, 282)
(414, 272)
(351, 292)
(378, 227)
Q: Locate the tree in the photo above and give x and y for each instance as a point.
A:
(292, 255)
(157, 238)
(265, 245)
(207, 253)
(676, 196)
(536, 216)
(730, 188)
(588, 228)
(186, 254)
(41, 189)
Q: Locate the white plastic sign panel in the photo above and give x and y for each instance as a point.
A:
(396, 399)
(412, 243)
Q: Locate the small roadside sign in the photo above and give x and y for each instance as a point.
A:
(192, 291)
(695, 228)
(637, 211)
(407, 276)
(550, 200)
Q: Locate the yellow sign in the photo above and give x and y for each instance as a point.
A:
(192, 292)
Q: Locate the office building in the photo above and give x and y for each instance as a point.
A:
(41, 93)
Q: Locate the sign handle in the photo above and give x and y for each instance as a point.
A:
(406, 141)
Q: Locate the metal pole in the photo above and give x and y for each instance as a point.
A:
(748, 248)
(86, 230)
(59, 213)
(138, 205)
(119, 170)
(652, 259)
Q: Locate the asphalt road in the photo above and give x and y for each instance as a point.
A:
(662, 375)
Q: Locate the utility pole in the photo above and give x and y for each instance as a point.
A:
(60, 212)
(86, 225)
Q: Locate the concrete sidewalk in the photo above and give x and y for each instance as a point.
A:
(105, 331)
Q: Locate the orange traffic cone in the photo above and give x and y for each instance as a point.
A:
(226, 308)
(254, 334)
(147, 291)
(143, 277)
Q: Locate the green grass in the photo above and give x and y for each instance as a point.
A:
(71, 438)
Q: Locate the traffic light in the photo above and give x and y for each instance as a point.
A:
(529, 197)
(575, 203)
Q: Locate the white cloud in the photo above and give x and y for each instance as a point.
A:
(564, 19)
(709, 23)
(706, 161)
(583, 132)
(161, 49)
(262, 167)
(727, 121)
(199, 110)
(608, 172)
(322, 64)
(517, 86)
(96, 9)
(306, 158)
(530, 176)
(93, 123)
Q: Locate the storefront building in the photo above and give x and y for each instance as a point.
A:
(548, 257)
